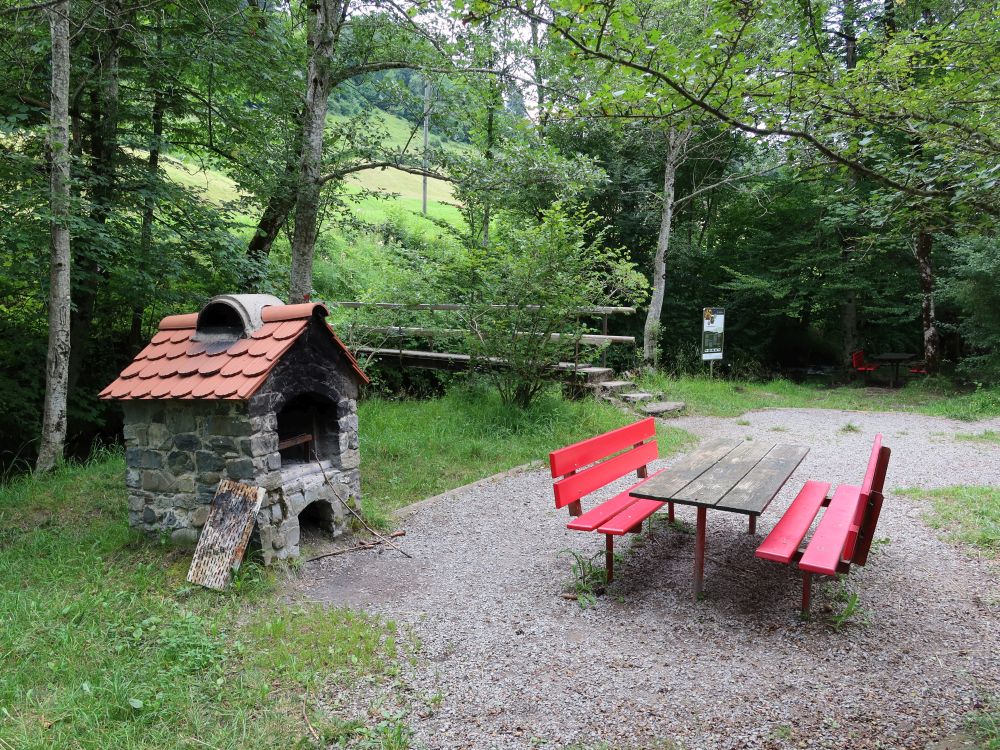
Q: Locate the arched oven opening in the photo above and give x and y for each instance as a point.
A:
(308, 430)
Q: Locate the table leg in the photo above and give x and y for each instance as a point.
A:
(699, 553)
(752, 525)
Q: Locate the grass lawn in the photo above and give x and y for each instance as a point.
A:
(969, 515)
(727, 398)
(104, 645)
(415, 449)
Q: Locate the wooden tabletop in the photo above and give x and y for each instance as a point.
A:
(738, 476)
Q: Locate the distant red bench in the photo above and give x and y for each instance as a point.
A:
(859, 365)
(588, 466)
(844, 534)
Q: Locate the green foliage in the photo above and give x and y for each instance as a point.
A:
(590, 577)
(105, 645)
(969, 515)
(527, 292)
(985, 726)
(973, 288)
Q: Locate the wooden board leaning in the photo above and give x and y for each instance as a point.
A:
(227, 531)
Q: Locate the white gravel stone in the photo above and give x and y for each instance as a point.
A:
(518, 666)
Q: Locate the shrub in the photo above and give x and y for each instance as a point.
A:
(523, 313)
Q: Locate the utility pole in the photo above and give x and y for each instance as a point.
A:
(427, 125)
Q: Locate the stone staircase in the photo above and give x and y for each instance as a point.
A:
(625, 394)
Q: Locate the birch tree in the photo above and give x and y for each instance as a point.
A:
(325, 20)
(53, 437)
(676, 149)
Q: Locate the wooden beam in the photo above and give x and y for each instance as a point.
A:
(451, 306)
(587, 339)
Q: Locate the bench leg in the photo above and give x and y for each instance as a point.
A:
(806, 592)
(699, 552)
(609, 556)
(575, 509)
(670, 512)
(752, 525)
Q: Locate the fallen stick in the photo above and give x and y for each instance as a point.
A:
(357, 547)
(358, 515)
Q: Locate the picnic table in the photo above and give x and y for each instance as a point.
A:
(895, 359)
(726, 475)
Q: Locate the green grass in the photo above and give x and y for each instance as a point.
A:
(986, 436)
(103, 645)
(416, 449)
(969, 515)
(726, 398)
(985, 727)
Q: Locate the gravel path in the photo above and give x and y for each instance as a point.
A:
(506, 662)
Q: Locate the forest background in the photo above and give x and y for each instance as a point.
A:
(826, 172)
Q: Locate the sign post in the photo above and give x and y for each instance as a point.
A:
(713, 323)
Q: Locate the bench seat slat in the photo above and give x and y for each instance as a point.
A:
(825, 549)
(786, 536)
(630, 517)
(596, 516)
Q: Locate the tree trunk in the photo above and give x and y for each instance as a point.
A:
(932, 339)
(53, 438)
(676, 144)
(325, 17)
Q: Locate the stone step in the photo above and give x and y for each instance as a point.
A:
(636, 396)
(655, 408)
(616, 385)
(595, 374)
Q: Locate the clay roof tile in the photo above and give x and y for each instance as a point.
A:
(281, 313)
(175, 322)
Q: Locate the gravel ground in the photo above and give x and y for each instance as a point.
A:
(506, 662)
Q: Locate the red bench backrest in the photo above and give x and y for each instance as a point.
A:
(859, 540)
(857, 359)
(566, 462)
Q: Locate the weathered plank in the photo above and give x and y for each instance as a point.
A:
(585, 339)
(224, 539)
(667, 485)
(452, 306)
(757, 489)
(712, 485)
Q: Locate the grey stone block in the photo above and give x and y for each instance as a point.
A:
(148, 515)
(185, 537)
(223, 445)
(179, 462)
(186, 441)
(241, 468)
(260, 445)
(200, 515)
(159, 435)
(207, 461)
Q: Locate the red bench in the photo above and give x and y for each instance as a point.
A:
(844, 534)
(859, 364)
(588, 466)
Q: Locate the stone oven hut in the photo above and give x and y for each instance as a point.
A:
(248, 389)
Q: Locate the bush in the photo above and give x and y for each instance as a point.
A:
(974, 288)
(523, 312)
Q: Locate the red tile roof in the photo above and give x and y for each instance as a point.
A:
(173, 365)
